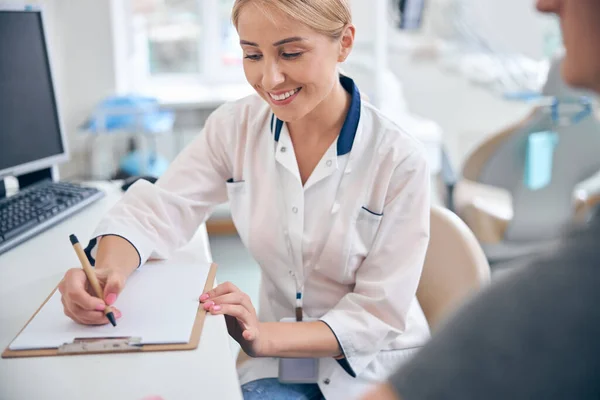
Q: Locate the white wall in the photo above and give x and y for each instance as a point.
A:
(514, 25)
(466, 113)
(80, 41)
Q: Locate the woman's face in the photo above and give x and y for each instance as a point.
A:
(581, 32)
(289, 65)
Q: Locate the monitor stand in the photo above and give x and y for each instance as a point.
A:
(28, 179)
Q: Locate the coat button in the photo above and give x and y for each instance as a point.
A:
(295, 210)
(327, 381)
(335, 208)
(328, 163)
(283, 149)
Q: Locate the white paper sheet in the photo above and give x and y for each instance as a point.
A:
(159, 304)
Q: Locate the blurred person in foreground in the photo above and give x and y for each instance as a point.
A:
(535, 335)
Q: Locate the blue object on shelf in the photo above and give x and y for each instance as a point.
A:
(523, 96)
(131, 112)
(143, 163)
(538, 159)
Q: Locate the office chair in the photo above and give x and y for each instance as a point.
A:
(455, 267)
(508, 218)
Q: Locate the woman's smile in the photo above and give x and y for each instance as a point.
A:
(283, 97)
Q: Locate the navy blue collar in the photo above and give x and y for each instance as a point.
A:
(348, 132)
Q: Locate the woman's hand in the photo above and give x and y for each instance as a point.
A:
(240, 315)
(79, 300)
(115, 261)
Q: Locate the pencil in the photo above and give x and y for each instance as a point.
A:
(91, 276)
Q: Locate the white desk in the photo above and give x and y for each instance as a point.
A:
(30, 272)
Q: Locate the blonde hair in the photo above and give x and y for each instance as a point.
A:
(328, 17)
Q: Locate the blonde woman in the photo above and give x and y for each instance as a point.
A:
(330, 197)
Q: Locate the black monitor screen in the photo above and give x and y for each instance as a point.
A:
(29, 127)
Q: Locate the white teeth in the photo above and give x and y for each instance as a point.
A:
(283, 96)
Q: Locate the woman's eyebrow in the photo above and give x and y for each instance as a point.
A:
(289, 40)
(277, 43)
(247, 43)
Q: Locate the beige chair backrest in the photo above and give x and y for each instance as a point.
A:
(455, 266)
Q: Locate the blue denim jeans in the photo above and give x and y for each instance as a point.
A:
(271, 388)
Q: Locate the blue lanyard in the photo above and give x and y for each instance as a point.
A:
(276, 126)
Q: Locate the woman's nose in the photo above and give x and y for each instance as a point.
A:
(272, 76)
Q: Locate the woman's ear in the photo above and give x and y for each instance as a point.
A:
(346, 42)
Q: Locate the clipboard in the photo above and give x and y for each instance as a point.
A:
(85, 346)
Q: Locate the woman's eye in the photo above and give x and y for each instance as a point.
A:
(253, 57)
(291, 55)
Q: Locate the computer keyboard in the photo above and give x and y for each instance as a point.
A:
(38, 207)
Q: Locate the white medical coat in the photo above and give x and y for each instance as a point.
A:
(352, 239)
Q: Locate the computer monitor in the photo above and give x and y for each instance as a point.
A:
(31, 137)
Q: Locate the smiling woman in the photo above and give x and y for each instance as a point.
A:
(291, 53)
(330, 197)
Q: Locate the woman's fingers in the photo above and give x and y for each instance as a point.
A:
(227, 299)
(237, 311)
(231, 298)
(73, 290)
(220, 290)
(249, 335)
(93, 317)
(84, 300)
(84, 316)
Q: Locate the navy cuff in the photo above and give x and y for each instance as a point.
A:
(343, 362)
(92, 243)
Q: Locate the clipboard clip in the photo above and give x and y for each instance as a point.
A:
(101, 345)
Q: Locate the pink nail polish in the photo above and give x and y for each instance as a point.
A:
(216, 308)
(208, 305)
(111, 298)
(204, 297)
(118, 314)
(100, 307)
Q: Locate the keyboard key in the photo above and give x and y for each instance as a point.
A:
(19, 229)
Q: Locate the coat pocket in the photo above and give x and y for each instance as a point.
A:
(363, 237)
(367, 225)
